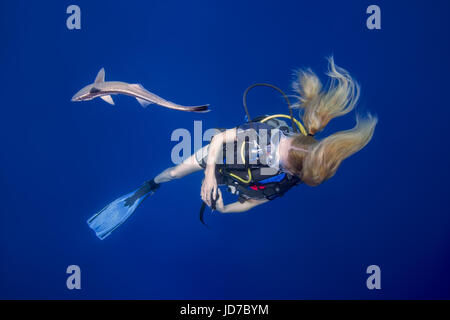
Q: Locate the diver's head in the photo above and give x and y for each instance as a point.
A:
(87, 93)
(293, 151)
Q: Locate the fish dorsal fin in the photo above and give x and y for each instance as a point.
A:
(143, 102)
(108, 99)
(100, 76)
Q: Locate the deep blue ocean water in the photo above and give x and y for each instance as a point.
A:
(62, 161)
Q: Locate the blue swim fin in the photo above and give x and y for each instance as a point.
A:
(118, 211)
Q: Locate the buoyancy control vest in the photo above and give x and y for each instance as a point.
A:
(253, 177)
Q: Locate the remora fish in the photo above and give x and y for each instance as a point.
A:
(104, 89)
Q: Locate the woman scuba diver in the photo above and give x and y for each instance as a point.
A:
(264, 158)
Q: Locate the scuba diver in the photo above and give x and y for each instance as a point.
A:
(262, 159)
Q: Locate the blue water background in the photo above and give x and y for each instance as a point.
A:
(61, 161)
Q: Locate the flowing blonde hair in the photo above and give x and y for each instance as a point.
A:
(316, 161)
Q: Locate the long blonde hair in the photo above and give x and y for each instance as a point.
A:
(316, 161)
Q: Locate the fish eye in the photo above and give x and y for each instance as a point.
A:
(94, 90)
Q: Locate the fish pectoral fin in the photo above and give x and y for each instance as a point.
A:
(108, 99)
(100, 76)
(143, 102)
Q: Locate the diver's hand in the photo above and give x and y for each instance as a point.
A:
(209, 187)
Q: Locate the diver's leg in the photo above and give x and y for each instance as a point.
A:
(188, 166)
(113, 215)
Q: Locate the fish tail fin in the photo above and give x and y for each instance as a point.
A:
(200, 109)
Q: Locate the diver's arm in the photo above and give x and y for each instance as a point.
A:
(237, 206)
(216, 146)
(209, 186)
(241, 207)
